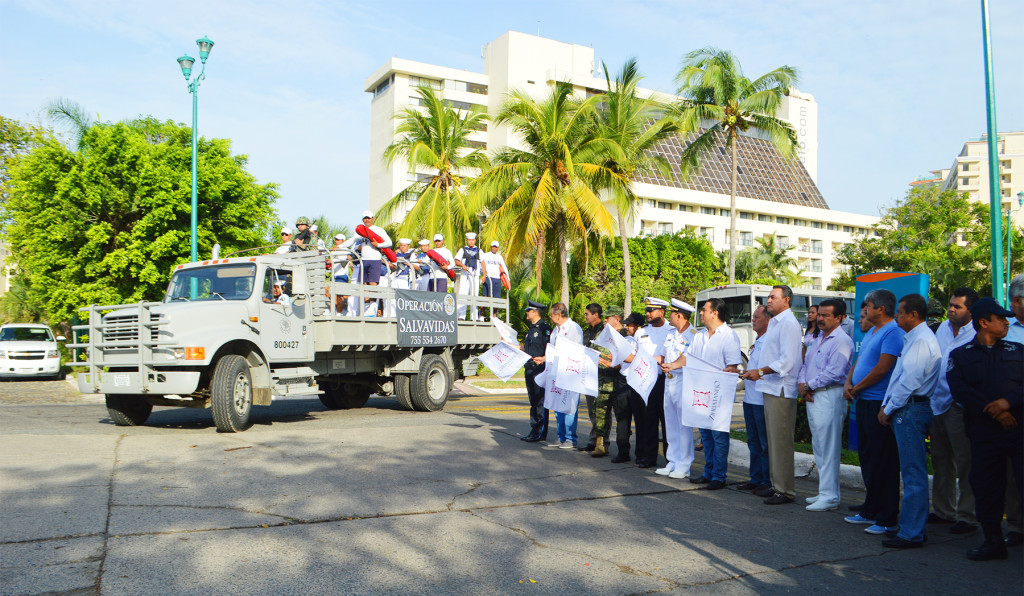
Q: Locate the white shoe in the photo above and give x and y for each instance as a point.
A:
(811, 500)
(819, 505)
(566, 445)
(664, 471)
(556, 444)
(677, 474)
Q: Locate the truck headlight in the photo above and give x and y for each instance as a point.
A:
(3, 354)
(51, 353)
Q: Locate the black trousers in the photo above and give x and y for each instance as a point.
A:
(879, 465)
(623, 416)
(990, 452)
(538, 413)
(646, 418)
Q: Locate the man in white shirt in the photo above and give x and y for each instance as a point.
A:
(422, 273)
(680, 438)
(650, 339)
(493, 265)
(467, 259)
(438, 273)
(286, 242)
(277, 295)
(952, 498)
(370, 255)
(776, 379)
(753, 411)
(718, 345)
(907, 408)
(826, 366)
(566, 330)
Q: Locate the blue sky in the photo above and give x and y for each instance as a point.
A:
(899, 85)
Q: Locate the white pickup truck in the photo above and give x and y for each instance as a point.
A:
(220, 339)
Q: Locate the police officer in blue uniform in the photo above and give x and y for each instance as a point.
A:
(534, 344)
(986, 377)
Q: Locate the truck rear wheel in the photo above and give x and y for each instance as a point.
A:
(231, 394)
(128, 410)
(430, 386)
(403, 391)
(345, 396)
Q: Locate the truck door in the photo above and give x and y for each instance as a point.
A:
(285, 330)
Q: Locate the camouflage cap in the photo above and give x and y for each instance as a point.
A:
(302, 220)
(613, 309)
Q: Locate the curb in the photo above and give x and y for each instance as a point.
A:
(803, 466)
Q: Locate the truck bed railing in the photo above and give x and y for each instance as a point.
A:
(134, 344)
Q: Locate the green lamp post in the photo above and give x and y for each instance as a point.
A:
(186, 62)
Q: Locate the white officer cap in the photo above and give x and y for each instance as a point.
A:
(470, 235)
(286, 230)
(679, 305)
(279, 282)
(424, 242)
(438, 237)
(367, 214)
(312, 228)
(339, 236)
(651, 302)
(404, 241)
(495, 243)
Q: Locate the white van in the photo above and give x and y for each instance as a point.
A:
(29, 350)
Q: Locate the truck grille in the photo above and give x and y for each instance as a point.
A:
(33, 355)
(127, 329)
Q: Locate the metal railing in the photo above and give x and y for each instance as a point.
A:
(96, 346)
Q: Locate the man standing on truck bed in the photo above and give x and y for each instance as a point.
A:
(493, 265)
(467, 259)
(438, 273)
(369, 256)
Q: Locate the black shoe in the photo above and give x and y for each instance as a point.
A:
(620, 458)
(934, 519)
(962, 527)
(699, 447)
(747, 486)
(1013, 538)
(530, 439)
(856, 507)
(764, 491)
(700, 480)
(892, 533)
(715, 485)
(901, 543)
(778, 499)
(988, 551)
(588, 448)
(645, 465)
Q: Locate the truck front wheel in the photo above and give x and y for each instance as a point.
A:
(128, 410)
(430, 386)
(231, 394)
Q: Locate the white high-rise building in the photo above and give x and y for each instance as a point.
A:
(969, 172)
(775, 195)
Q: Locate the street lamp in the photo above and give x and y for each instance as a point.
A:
(186, 62)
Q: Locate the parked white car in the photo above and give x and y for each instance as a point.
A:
(29, 350)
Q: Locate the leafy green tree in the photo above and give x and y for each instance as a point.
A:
(714, 89)
(16, 139)
(548, 185)
(107, 225)
(941, 233)
(635, 125)
(437, 140)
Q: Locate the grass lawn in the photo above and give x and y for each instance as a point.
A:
(497, 384)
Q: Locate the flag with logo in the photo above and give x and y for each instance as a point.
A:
(577, 368)
(613, 341)
(506, 332)
(708, 396)
(504, 360)
(642, 373)
(555, 397)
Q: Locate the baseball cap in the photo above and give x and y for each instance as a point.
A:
(988, 306)
(367, 214)
(438, 237)
(286, 230)
(339, 236)
(496, 243)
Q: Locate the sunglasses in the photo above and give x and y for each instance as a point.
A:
(652, 308)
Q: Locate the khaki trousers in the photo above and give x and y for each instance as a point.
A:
(780, 422)
(951, 460)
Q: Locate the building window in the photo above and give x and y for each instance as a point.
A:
(652, 203)
(965, 181)
(965, 168)
(383, 86)
(782, 220)
(832, 227)
(663, 205)
(763, 217)
(799, 222)
(708, 233)
(848, 229)
(816, 246)
(782, 242)
(664, 228)
(745, 215)
(724, 212)
(686, 207)
(815, 265)
(746, 238)
(707, 210)
(434, 84)
(816, 224)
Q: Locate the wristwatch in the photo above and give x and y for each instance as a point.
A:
(759, 373)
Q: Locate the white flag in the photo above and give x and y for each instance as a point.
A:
(577, 368)
(613, 341)
(708, 397)
(507, 333)
(642, 373)
(556, 398)
(504, 360)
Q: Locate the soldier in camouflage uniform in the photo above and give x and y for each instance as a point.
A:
(599, 408)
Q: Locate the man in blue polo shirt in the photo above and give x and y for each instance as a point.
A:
(867, 383)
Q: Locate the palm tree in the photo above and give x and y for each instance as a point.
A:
(776, 260)
(549, 184)
(636, 125)
(437, 140)
(714, 89)
(71, 115)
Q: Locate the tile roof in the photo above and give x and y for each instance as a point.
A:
(763, 173)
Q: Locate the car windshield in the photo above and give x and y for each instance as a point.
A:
(222, 282)
(25, 334)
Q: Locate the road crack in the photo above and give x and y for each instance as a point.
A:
(110, 508)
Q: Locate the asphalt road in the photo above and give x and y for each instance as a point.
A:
(380, 500)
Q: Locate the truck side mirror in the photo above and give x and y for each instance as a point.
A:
(299, 284)
(61, 338)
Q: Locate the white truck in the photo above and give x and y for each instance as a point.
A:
(221, 339)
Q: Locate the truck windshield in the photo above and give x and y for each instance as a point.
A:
(222, 282)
